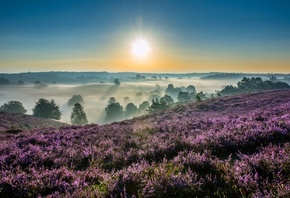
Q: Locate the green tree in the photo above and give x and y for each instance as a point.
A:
(166, 99)
(157, 105)
(114, 112)
(46, 109)
(117, 82)
(75, 99)
(131, 110)
(112, 100)
(4, 81)
(144, 106)
(78, 116)
(183, 96)
(191, 89)
(20, 82)
(13, 107)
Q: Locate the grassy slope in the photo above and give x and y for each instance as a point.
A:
(226, 147)
(17, 122)
(228, 105)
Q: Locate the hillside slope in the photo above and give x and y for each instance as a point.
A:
(228, 105)
(17, 122)
(235, 146)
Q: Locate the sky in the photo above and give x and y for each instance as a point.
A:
(183, 35)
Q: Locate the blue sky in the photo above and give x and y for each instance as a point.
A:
(185, 36)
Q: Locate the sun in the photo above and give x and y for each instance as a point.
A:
(140, 48)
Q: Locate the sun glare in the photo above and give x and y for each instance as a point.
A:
(140, 48)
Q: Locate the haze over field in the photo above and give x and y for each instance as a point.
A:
(96, 95)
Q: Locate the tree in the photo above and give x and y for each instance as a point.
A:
(46, 109)
(166, 99)
(138, 76)
(191, 89)
(75, 99)
(156, 105)
(38, 84)
(114, 111)
(78, 116)
(229, 89)
(20, 82)
(126, 100)
(173, 91)
(4, 81)
(112, 100)
(13, 107)
(131, 110)
(117, 82)
(254, 84)
(183, 96)
(144, 106)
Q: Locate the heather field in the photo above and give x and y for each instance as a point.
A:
(235, 146)
(17, 122)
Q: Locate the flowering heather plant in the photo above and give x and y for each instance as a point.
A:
(234, 146)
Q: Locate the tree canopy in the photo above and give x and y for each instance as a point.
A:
(253, 84)
(78, 116)
(13, 107)
(114, 112)
(46, 109)
(131, 110)
(75, 99)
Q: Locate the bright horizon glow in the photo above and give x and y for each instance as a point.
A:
(140, 48)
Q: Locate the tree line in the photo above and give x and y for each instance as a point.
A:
(115, 111)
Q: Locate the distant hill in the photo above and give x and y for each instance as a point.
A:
(16, 122)
(93, 77)
(233, 146)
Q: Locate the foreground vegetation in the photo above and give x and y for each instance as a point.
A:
(225, 147)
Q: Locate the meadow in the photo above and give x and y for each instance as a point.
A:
(233, 146)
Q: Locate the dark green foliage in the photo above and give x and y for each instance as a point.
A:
(75, 99)
(229, 89)
(201, 95)
(13, 107)
(38, 84)
(143, 106)
(112, 100)
(131, 110)
(166, 99)
(114, 112)
(4, 81)
(20, 82)
(46, 109)
(254, 84)
(138, 76)
(173, 91)
(184, 96)
(191, 89)
(156, 105)
(78, 116)
(117, 82)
